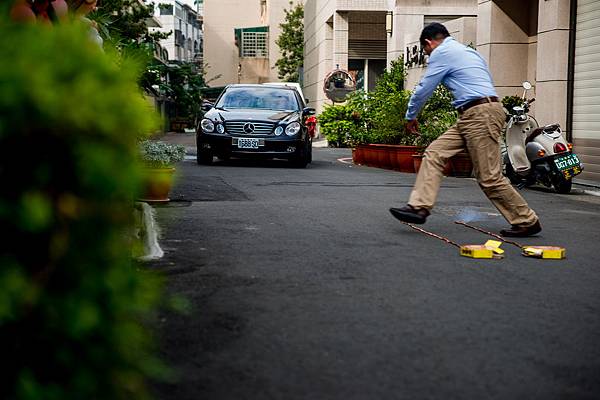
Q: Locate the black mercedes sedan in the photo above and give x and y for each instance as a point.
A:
(256, 120)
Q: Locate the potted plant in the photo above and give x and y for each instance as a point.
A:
(158, 159)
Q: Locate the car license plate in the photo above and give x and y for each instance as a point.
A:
(569, 165)
(247, 143)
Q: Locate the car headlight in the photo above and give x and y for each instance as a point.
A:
(279, 130)
(220, 128)
(207, 125)
(292, 129)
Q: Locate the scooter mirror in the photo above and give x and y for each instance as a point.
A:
(527, 85)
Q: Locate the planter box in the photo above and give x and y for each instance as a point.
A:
(386, 156)
(407, 159)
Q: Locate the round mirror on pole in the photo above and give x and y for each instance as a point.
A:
(338, 85)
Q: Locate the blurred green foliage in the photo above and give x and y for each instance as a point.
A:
(72, 304)
(512, 101)
(378, 116)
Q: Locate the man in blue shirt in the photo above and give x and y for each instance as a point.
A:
(478, 130)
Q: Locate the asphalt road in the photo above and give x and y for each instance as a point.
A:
(302, 286)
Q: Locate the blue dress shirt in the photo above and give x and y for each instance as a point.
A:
(460, 68)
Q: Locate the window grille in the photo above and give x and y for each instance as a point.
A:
(254, 44)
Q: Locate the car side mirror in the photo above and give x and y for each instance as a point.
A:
(309, 111)
(207, 106)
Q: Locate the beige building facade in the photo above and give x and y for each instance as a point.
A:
(551, 43)
(239, 39)
(364, 36)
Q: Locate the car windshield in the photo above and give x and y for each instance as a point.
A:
(259, 98)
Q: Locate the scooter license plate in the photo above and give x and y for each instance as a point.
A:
(569, 165)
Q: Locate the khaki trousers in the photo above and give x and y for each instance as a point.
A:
(478, 130)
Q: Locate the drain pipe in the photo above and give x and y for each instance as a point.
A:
(147, 233)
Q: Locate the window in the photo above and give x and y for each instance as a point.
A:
(254, 44)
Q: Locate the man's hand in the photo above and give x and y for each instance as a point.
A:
(412, 126)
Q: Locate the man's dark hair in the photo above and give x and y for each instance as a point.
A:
(433, 31)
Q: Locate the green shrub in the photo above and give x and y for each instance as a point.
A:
(71, 302)
(335, 122)
(512, 101)
(378, 116)
(344, 124)
(389, 101)
(437, 116)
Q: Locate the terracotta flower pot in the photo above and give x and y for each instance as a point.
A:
(404, 155)
(447, 168)
(157, 184)
(462, 165)
(358, 156)
(417, 160)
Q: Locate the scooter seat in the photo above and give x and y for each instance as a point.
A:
(534, 133)
(538, 131)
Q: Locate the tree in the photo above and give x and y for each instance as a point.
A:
(181, 83)
(123, 22)
(291, 43)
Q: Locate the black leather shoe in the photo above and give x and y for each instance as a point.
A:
(522, 231)
(410, 214)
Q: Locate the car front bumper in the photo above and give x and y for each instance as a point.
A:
(270, 146)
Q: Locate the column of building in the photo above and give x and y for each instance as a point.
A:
(405, 22)
(552, 61)
(340, 39)
(509, 49)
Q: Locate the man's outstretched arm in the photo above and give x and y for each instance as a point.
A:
(436, 70)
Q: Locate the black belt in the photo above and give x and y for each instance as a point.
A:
(476, 102)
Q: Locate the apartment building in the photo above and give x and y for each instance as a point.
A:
(240, 39)
(185, 25)
(551, 43)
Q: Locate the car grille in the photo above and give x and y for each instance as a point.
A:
(260, 128)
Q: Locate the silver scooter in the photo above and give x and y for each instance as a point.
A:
(534, 154)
